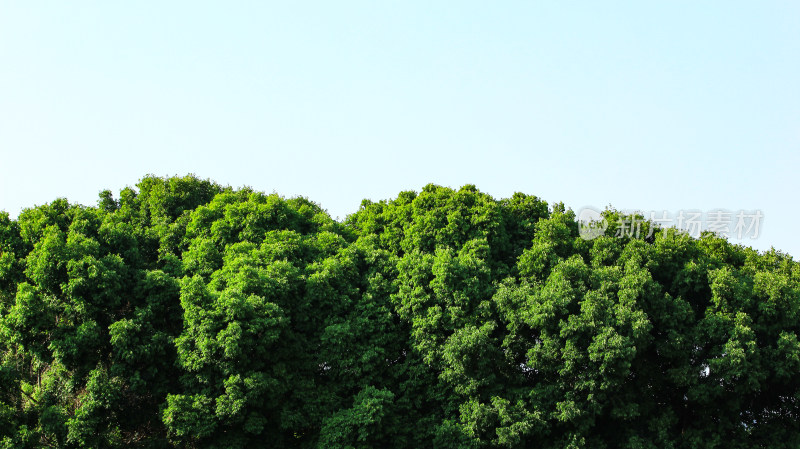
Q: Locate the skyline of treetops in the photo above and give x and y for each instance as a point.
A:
(185, 314)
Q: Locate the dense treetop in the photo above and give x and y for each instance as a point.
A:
(181, 313)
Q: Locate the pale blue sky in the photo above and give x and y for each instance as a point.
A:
(665, 105)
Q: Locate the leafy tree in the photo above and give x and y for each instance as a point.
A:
(182, 313)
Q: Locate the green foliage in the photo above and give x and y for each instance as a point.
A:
(187, 314)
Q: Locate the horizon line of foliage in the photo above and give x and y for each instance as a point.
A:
(190, 315)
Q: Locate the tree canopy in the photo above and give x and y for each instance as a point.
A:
(181, 313)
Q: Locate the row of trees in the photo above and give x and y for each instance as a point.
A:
(187, 314)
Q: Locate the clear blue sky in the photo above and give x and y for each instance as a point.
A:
(664, 105)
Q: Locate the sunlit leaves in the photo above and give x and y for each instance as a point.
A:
(186, 314)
